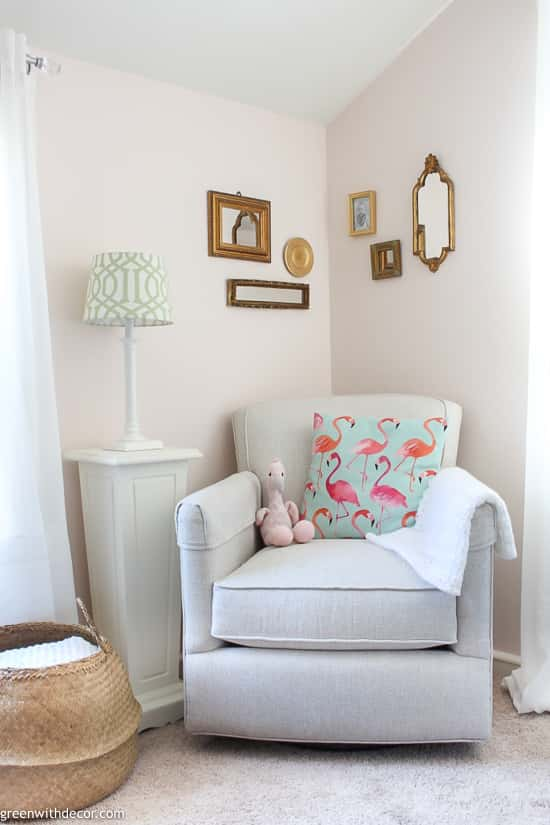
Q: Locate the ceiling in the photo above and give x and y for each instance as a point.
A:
(303, 57)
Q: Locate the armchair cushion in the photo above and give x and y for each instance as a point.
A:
(335, 594)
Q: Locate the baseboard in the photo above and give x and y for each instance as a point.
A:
(509, 658)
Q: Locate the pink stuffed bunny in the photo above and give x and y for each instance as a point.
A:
(280, 522)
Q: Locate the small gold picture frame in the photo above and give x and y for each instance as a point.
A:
(385, 260)
(239, 227)
(362, 213)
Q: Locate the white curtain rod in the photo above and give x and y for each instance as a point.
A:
(43, 64)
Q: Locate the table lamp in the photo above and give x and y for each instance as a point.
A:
(128, 289)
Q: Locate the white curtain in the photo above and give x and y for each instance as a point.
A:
(36, 580)
(529, 686)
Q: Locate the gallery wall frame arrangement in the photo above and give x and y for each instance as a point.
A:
(385, 260)
(362, 213)
(257, 294)
(239, 227)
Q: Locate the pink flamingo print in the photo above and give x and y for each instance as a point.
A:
(369, 446)
(309, 488)
(322, 511)
(415, 448)
(426, 474)
(408, 517)
(368, 515)
(384, 495)
(325, 444)
(317, 421)
(340, 491)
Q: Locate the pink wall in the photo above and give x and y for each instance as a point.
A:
(464, 90)
(125, 163)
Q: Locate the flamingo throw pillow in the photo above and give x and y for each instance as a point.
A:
(369, 474)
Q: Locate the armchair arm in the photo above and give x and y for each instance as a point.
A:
(474, 606)
(216, 534)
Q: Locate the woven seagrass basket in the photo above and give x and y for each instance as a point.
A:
(68, 733)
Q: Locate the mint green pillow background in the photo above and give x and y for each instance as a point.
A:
(373, 486)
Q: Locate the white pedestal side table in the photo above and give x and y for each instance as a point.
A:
(128, 501)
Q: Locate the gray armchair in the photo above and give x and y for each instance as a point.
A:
(331, 641)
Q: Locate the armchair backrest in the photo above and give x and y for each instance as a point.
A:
(283, 429)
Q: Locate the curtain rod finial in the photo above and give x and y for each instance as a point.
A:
(43, 64)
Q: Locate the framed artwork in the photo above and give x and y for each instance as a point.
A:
(362, 213)
(385, 260)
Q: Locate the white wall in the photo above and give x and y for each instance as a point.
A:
(464, 90)
(125, 163)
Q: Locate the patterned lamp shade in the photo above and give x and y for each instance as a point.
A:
(127, 286)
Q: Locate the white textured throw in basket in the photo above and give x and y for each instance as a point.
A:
(48, 654)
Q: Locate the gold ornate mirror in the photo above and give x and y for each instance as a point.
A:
(433, 215)
(239, 227)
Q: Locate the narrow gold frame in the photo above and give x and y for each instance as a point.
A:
(378, 253)
(431, 165)
(216, 246)
(233, 301)
(371, 195)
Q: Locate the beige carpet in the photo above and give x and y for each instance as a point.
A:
(204, 781)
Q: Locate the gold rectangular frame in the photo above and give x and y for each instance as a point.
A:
(233, 301)
(371, 195)
(380, 266)
(216, 246)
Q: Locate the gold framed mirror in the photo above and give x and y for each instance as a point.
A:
(433, 203)
(385, 260)
(239, 227)
(255, 294)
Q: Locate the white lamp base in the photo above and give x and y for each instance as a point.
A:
(132, 439)
(129, 444)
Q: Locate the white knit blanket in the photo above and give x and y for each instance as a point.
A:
(47, 654)
(437, 546)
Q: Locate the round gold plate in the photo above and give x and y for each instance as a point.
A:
(298, 257)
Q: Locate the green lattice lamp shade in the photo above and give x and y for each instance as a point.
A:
(127, 286)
